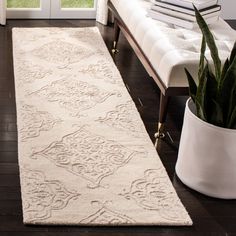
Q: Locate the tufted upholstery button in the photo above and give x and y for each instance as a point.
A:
(170, 48)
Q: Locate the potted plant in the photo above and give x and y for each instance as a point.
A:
(207, 153)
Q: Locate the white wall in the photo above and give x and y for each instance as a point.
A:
(228, 9)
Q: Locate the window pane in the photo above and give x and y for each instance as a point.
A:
(23, 3)
(77, 3)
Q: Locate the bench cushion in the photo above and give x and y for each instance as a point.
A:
(168, 48)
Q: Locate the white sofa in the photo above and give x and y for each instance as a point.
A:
(165, 49)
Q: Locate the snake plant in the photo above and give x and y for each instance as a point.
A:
(215, 94)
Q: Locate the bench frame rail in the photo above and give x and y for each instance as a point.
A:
(165, 92)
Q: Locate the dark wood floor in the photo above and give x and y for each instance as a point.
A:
(210, 216)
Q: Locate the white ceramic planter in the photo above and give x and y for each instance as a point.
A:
(207, 157)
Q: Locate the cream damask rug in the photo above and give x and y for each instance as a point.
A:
(85, 157)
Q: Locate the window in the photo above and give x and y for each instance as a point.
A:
(56, 9)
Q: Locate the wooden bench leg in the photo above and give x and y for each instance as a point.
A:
(164, 101)
(116, 37)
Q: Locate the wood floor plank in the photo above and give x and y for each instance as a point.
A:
(14, 223)
(9, 168)
(9, 180)
(8, 136)
(7, 117)
(8, 157)
(8, 146)
(9, 193)
(10, 208)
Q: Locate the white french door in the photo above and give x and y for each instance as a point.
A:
(85, 9)
(28, 9)
(51, 9)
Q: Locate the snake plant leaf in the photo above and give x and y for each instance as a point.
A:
(201, 91)
(233, 53)
(228, 90)
(210, 42)
(227, 63)
(192, 85)
(215, 94)
(202, 57)
(223, 73)
(232, 105)
(217, 115)
(225, 69)
(232, 121)
(211, 95)
(200, 110)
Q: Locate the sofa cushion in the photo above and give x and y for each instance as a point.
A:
(169, 48)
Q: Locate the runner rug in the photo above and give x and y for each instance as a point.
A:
(85, 157)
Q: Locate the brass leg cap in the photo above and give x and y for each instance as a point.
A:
(159, 134)
(114, 51)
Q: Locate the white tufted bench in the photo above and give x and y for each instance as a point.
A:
(164, 49)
